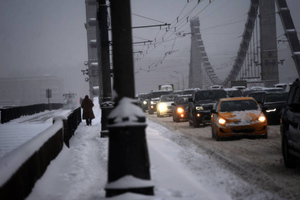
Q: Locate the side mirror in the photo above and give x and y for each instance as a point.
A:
(213, 111)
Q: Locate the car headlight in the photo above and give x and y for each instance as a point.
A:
(162, 107)
(144, 102)
(180, 110)
(222, 121)
(262, 118)
(199, 108)
(152, 102)
(271, 110)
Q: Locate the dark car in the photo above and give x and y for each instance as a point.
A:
(180, 108)
(290, 126)
(201, 103)
(188, 92)
(271, 104)
(143, 101)
(154, 96)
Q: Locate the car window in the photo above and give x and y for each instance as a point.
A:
(242, 105)
(210, 95)
(291, 94)
(234, 93)
(167, 98)
(182, 100)
(276, 97)
(259, 97)
(158, 94)
(296, 96)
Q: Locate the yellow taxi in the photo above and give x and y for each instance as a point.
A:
(239, 116)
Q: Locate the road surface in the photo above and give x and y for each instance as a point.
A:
(257, 161)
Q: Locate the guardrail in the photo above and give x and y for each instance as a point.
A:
(8, 114)
(21, 168)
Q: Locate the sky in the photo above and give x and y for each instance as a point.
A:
(47, 37)
(179, 169)
(42, 38)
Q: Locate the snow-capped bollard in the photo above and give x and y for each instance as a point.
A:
(128, 157)
(106, 108)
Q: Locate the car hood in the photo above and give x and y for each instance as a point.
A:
(241, 116)
(207, 102)
(154, 99)
(274, 104)
(168, 103)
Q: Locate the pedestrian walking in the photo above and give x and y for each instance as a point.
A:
(87, 106)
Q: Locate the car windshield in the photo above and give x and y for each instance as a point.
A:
(158, 94)
(234, 93)
(182, 100)
(167, 98)
(276, 97)
(259, 97)
(187, 92)
(238, 105)
(210, 95)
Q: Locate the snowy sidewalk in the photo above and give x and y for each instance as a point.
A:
(179, 170)
(81, 171)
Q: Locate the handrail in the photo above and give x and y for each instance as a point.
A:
(21, 168)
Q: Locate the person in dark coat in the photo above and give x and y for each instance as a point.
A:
(87, 106)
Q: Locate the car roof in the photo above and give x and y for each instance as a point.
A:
(236, 99)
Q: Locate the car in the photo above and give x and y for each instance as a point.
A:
(180, 109)
(140, 98)
(236, 117)
(271, 104)
(290, 127)
(154, 96)
(188, 92)
(201, 103)
(164, 106)
(240, 87)
(143, 100)
(233, 92)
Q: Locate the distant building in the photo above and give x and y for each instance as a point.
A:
(30, 90)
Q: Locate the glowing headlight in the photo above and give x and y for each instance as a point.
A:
(162, 107)
(271, 110)
(262, 118)
(199, 108)
(222, 121)
(180, 110)
(152, 102)
(144, 102)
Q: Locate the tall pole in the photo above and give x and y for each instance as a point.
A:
(122, 48)
(268, 43)
(105, 93)
(104, 52)
(128, 159)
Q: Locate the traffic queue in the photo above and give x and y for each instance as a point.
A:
(234, 112)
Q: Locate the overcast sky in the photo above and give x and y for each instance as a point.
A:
(47, 37)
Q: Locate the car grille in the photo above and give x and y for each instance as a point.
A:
(208, 107)
(243, 130)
